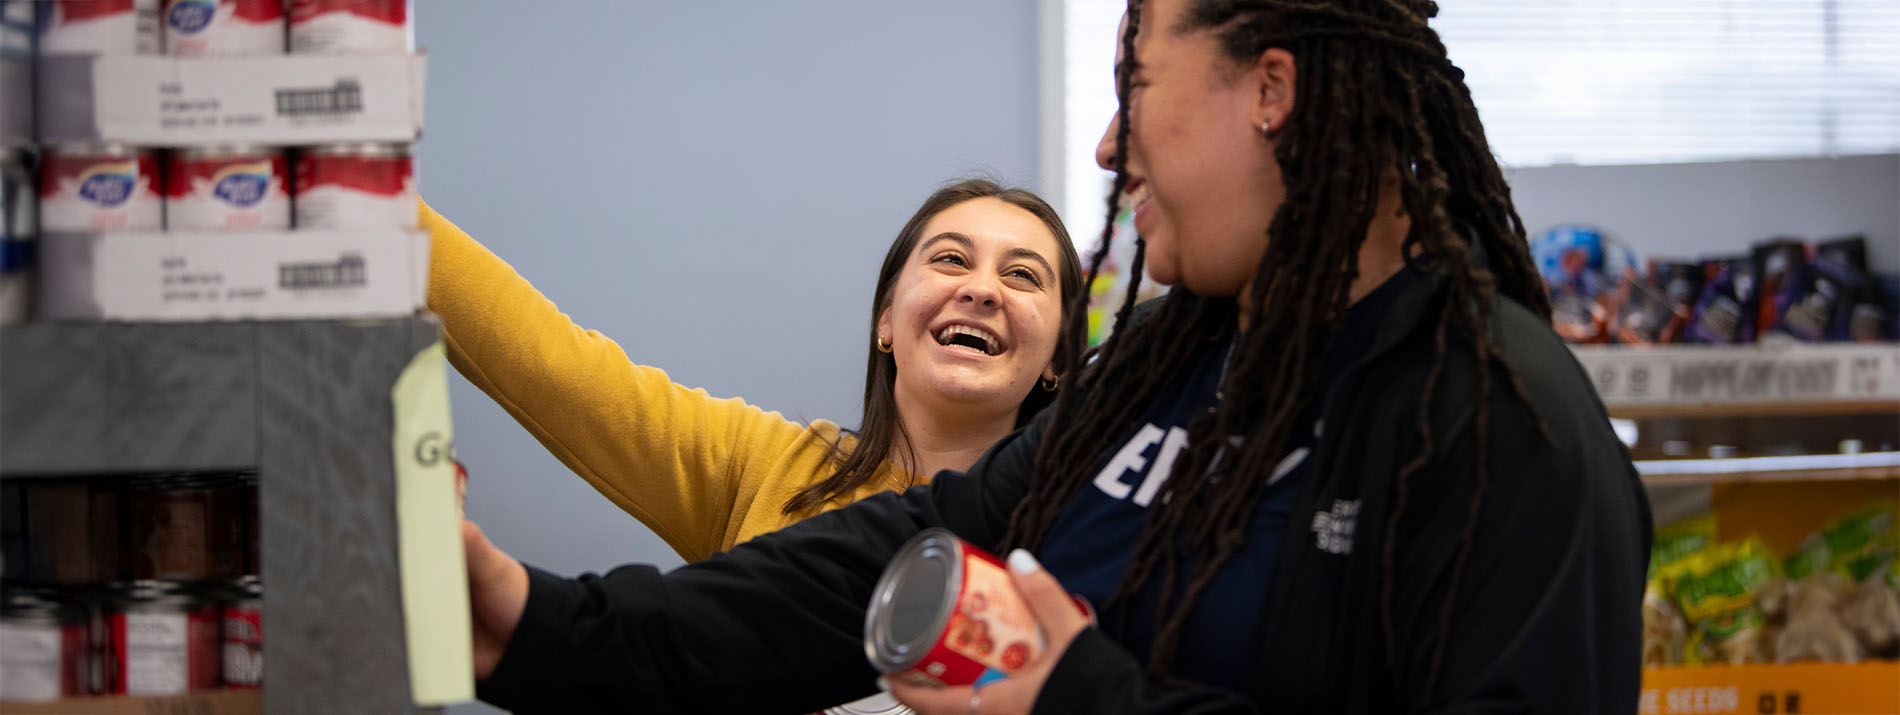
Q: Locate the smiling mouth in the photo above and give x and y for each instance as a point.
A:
(970, 338)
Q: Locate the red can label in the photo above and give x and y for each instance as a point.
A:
(355, 192)
(991, 634)
(81, 193)
(224, 27)
(164, 653)
(106, 27)
(249, 191)
(350, 26)
(243, 646)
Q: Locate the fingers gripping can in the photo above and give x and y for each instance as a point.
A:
(948, 613)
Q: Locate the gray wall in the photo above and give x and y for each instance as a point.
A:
(1690, 210)
(712, 184)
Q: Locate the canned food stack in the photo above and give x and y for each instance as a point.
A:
(140, 585)
(149, 584)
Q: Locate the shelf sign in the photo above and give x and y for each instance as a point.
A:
(1694, 375)
(1761, 689)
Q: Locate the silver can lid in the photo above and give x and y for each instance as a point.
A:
(226, 151)
(913, 600)
(115, 150)
(373, 150)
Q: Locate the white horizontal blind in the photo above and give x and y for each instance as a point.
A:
(1648, 81)
(1601, 81)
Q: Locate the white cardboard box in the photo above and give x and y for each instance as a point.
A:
(262, 275)
(272, 99)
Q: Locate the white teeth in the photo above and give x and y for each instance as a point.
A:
(992, 345)
(1140, 194)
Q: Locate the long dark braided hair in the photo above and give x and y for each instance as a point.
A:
(1376, 95)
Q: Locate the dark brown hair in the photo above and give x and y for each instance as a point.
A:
(1376, 95)
(881, 431)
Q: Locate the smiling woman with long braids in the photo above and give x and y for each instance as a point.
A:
(1344, 466)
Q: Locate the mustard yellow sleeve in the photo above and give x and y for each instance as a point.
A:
(685, 464)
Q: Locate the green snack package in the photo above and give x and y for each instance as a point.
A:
(1715, 588)
(1679, 541)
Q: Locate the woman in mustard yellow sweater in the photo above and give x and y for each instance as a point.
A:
(967, 341)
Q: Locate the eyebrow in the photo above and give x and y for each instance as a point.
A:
(970, 245)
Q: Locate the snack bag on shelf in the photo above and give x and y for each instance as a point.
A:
(1726, 312)
(1664, 630)
(1644, 314)
(1807, 622)
(1871, 611)
(1791, 305)
(1679, 541)
(1861, 315)
(1581, 270)
(1681, 283)
(1716, 590)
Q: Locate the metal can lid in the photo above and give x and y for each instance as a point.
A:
(879, 704)
(33, 605)
(375, 150)
(116, 150)
(226, 151)
(150, 594)
(913, 600)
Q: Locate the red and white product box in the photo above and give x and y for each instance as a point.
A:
(164, 645)
(99, 187)
(100, 27)
(232, 187)
(357, 27)
(197, 28)
(353, 186)
(42, 651)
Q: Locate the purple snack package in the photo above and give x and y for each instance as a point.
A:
(1786, 285)
(1725, 314)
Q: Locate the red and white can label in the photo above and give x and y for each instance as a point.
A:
(100, 27)
(42, 661)
(243, 647)
(228, 192)
(100, 193)
(363, 27)
(165, 653)
(355, 192)
(196, 28)
(992, 632)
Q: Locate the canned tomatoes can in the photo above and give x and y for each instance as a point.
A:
(42, 647)
(356, 186)
(163, 639)
(197, 28)
(100, 27)
(243, 634)
(358, 27)
(948, 613)
(87, 187)
(227, 187)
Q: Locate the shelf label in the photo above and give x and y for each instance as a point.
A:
(1690, 375)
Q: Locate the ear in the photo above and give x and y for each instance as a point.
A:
(1275, 78)
(884, 326)
(1049, 372)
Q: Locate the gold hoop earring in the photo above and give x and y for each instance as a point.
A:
(882, 346)
(1049, 385)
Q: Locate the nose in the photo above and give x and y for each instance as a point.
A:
(1105, 149)
(980, 288)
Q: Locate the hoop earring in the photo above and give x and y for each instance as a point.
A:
(881, 345)
(1047, 384)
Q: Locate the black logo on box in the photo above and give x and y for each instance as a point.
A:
(346, 272)
(346, 97)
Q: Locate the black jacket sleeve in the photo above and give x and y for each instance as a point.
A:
(1546, 613)
(774, 625)
(1096, 676)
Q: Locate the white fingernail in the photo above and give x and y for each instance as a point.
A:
(1021, 562)
(883, 685)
